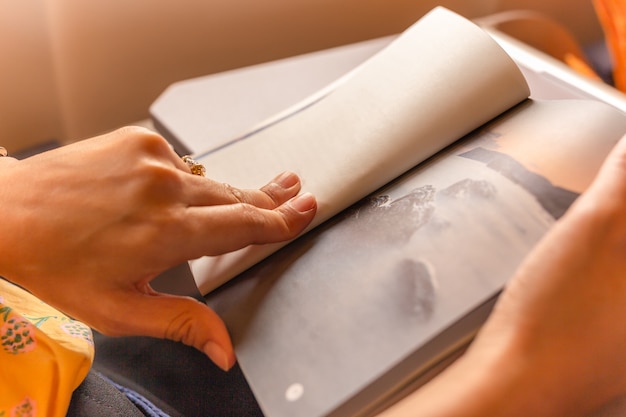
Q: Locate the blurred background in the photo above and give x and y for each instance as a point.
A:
(70, 70)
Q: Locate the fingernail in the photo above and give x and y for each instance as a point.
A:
(303, 202)
(287, 179)
(217, 355)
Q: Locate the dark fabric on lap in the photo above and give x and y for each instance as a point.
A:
(95, 397)
(176, 378)
(147, 407)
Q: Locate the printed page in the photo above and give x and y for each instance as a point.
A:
(438, 81)
(365, 304)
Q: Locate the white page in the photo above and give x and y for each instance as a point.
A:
(438, 81)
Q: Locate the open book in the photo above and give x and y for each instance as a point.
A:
(435, 174)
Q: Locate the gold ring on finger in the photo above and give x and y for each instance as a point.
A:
(195, 167)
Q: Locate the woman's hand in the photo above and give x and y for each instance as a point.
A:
(565, 308)
(86, 227)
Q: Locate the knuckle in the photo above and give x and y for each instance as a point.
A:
(247, 214)
(158, 183)
(181, 327)
(268, 224)
(160, 175)
(274, 192)
(144, 139)
(154, 144)
(236, 194)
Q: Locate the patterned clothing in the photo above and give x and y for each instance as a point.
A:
(44, 355)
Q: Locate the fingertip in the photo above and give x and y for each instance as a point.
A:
(299, 212)
(283, 187)
(303, 203)
(287, 179)
(222, 358)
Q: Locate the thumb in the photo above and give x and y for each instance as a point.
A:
(181, 319)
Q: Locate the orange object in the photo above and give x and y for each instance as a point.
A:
(612, 16)
(544, 33)
(580, 66)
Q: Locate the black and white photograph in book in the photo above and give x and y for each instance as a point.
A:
(368, 288)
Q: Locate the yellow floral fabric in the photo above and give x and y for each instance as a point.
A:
(44, 355)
